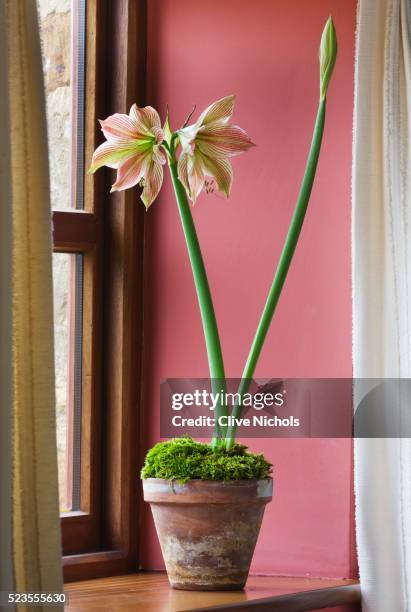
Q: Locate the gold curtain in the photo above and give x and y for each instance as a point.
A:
(31, 556)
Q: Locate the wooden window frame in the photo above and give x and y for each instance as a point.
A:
(102, 538)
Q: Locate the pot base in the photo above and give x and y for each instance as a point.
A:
(208, 587)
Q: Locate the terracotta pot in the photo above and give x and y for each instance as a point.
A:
(208, 529)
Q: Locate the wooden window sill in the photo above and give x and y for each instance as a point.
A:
(150, 591)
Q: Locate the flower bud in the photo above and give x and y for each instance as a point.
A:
(167, 130)
(328, 54)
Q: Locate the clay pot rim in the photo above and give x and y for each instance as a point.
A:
(253, 490)
(234, 480)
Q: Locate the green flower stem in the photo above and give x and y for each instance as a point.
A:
(283, 266)
(212, 339)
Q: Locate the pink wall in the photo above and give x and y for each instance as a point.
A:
(265, 52)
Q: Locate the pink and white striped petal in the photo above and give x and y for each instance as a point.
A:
(145, 118)
(158, 155)
(182, 171)
(152, 183)
(111, 154)
(158, 134)
(119, 127)
(218, 111)
(191, 174)
(196, 176)
(131, 172)
(220, 169)
(221, 140)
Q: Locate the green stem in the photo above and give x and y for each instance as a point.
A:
(282, 268)
(212, 339)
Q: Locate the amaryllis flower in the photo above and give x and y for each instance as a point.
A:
(133, 147)
(206, 148)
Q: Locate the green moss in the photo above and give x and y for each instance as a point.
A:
(184, 459)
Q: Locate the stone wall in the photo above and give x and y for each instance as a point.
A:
(55, 30)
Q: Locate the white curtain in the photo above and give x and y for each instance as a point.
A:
(382, 290)
(30, 547)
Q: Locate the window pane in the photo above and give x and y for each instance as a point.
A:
(67, 281)
(62, 36)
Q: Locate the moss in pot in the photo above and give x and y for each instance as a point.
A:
(183, 459)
